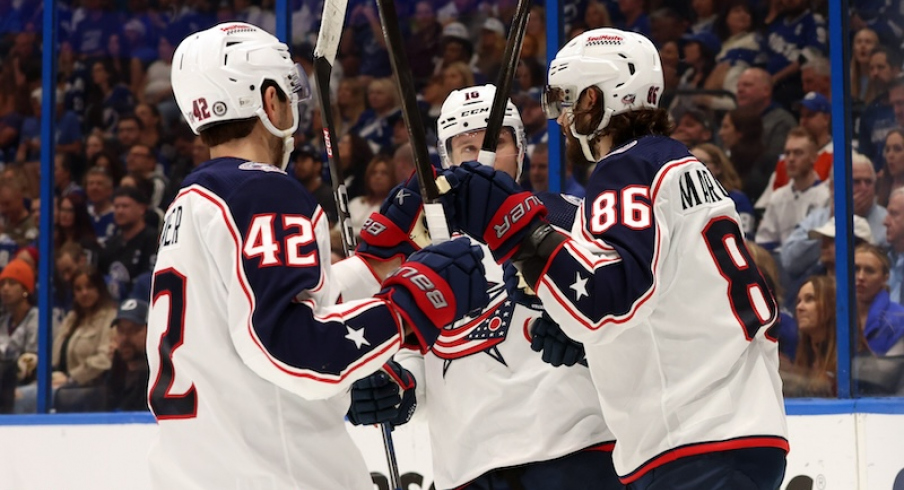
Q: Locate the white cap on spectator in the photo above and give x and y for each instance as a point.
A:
(495, 25)
(861, 230)
(456, 29)
(135, 26)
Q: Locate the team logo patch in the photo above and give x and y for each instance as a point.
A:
(219, 108)
(263, 167)
(627, 100)
(481, 334)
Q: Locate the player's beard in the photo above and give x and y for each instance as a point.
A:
(573, 151)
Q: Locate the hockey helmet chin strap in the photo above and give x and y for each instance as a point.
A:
(584, 139)
(285, 134)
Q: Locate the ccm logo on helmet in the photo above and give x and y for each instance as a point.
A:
(474, 112)
(516, 213)
(436, 297)
(604, 40)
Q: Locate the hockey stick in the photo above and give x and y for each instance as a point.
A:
(433, 210)
(324, 57)
(510, 57)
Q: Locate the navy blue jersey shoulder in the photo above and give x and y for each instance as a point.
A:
(561, 209)
(618, 210)
(275, 218)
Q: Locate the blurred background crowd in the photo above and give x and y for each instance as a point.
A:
(747, 85)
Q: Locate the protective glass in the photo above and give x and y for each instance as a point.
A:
(557, 99)
(297, 81)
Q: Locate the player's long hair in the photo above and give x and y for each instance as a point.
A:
(622, 127)
(820, 359)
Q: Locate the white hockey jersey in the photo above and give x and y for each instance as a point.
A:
(657, 283)
(250, 365)
(490, 401)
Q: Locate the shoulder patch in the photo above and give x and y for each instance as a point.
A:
(263, 167)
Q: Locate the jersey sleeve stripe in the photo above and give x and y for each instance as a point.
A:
(393, 342)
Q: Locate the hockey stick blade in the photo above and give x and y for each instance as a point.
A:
(436, 222)
(330, 30)
(510, 57)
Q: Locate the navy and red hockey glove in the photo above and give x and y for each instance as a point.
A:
(384, 396)
(437, 286)
(555, 347)
(491, 207)
(398, 229)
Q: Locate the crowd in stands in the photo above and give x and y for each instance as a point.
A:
(747, 86)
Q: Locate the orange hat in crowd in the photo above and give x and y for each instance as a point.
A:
(19, 271)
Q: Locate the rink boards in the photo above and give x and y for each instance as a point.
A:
(831, 448)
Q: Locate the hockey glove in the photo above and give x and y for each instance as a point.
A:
(436, 287)
(384, 396)
(556, 348)
(491, 207)
(398, 229)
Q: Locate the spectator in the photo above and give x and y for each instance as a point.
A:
(99, 190)
(141, 161)
(63, 181)
(68, 131)
(18, 222)
(755, 94)
(596, 16)
(791, 203)
(786, 41)
(455, 46)
(133, 249)
(666, 25)
(128, 132)
(110, 163)
(884, 17)
(157, 87)
(127, 381)
(108, 99)
(880, 320)
(891, 176)
(535, 122)
(634, 15)
(816, 118)
(70, 258)
(354, 156)
(153, 217)
(723, 170)
(704, 15)
(308, 169)
(81, 349)
(862, 87)
(825, 235)
(700, 51)
(350, 103)
(894, 233)
(740, 46)
(863, 181)
(816, 76)
(74, 225)
(536, 29)
(741, 134)
(879, 116)
(813, 370)
(379, 178)
(152, 134)
(18, 327)
(403, 163)
(374, 124)
(490, 47)
(364, 25)
(457, 76)
(94, 145)
(695, 126)
(422, 46)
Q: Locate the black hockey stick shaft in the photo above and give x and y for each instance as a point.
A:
(504, 83)
(322, 70)
(332, 20)
(433, 210)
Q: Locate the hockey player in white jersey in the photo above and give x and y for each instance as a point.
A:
(250, 362)
(654, 278)
(499, 416)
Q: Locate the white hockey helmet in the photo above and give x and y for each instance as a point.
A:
(625, 66)
(217, 76)
(468, 110)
